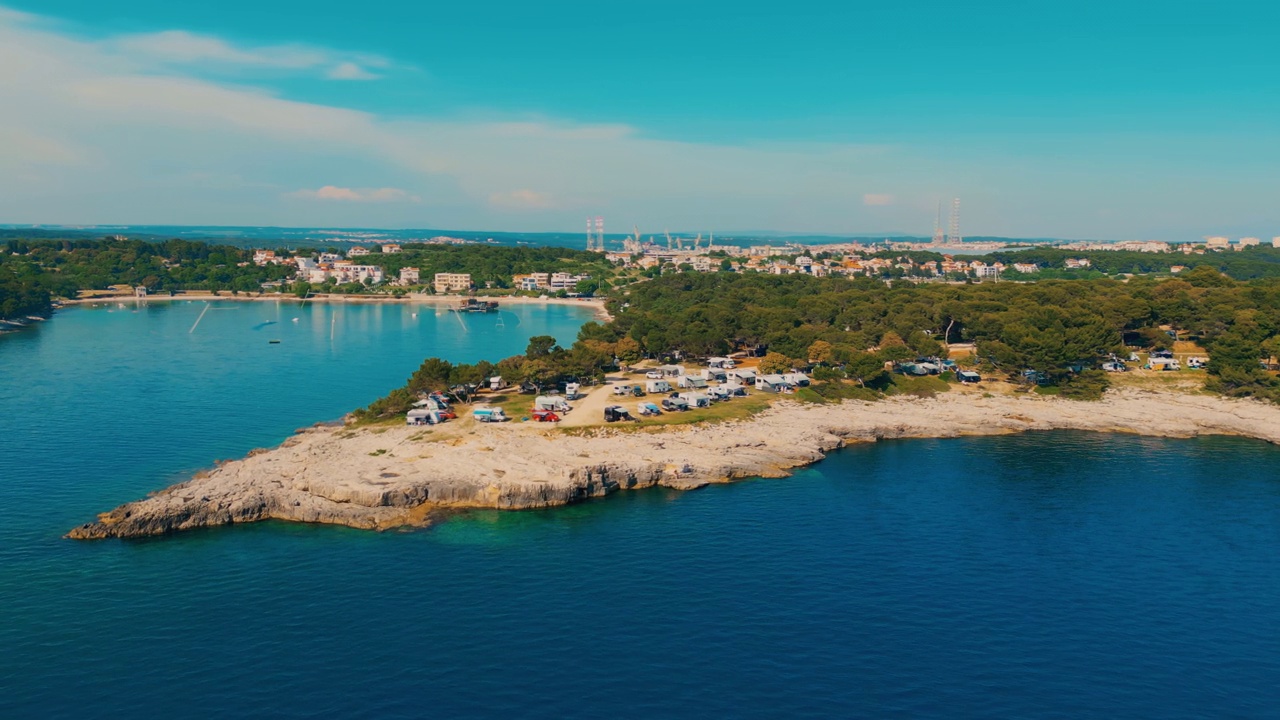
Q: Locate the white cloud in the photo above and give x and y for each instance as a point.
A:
(877, 199)
(143, 128)
(180, 48)
(521, 200)
(358, 195)
(350, 71)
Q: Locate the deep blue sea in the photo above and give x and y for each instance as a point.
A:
(1060, 575)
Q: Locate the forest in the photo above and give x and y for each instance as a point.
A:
(846, 330)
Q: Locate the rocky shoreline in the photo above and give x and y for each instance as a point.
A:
(385, 477)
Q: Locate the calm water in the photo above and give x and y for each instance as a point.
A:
(1058, 575)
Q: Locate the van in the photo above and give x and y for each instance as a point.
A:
(657, 386)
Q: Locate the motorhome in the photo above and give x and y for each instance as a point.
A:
(716, 374)
(551, 402)
(657, 386)
(571, 390)
(745, 376)
(721, 363)
(496, 383)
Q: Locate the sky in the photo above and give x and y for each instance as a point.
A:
(1113, 120)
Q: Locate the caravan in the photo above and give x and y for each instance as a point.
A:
(489, 414)
(423, 416)
(657, 386)
(696, 399)
(721, 363)
(692, 382)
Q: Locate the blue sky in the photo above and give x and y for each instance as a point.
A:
(1108, 120)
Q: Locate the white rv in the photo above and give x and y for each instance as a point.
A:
(551, 402)
(657, 386)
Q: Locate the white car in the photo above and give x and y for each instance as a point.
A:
(654, 375)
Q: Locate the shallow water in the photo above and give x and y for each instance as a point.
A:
(1043, 575)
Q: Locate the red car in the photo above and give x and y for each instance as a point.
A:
(545, 416)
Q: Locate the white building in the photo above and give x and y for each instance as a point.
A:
(1217, 242)
(390, 249)
(1248, 242)
(409, 276)
(1275, 241)
(452, 282)
(1026, 267)
(357, 251)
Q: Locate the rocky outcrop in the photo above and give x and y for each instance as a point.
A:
(381, 478)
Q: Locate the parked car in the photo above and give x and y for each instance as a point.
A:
(621, 390)
(654, 375)
(637, 391)
(546, 416)
(1115, 367)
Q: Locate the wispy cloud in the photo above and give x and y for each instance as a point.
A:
(191, 50)
(334, 193)
(148, 115)
(522, 200)
(877, 199)
(350, 71)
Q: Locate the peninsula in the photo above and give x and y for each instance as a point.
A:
(380, 477)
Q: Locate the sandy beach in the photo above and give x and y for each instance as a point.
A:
(386, 476)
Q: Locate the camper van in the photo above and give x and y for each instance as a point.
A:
(721, 363)
(744, 376)
(551, 402)
(496, 383)
(489, 414)
(657, 386)
(571, 390)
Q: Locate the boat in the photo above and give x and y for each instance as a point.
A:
(474, 305)
(273, 342)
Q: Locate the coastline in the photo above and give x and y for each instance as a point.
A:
(382, 477)
(597, 305)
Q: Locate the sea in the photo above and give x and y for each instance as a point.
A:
(1047, 575)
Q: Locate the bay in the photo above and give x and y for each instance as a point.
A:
(1041, 575)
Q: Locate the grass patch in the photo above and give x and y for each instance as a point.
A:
(379, 451)
(925, 387)
(1049, 390)
(735, 409)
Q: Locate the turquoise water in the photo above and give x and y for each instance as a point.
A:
(1045, 575)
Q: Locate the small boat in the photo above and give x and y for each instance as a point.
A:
(273, 342)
